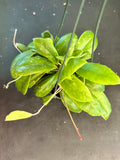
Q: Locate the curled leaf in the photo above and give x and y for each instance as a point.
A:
(47, 34)
(22, 47)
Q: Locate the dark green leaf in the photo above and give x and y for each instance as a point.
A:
(76, 89)
(72, 66)
(22, 47)
(28, 63)
(85, 42)
(34, 79)
(22, 84)
(46, 48)
(62, 44)
(47, 34)
(46, 85)
(69, 102)
(98, 73)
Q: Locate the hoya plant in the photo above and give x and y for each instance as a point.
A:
(74, 79)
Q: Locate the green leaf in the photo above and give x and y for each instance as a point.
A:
(69, 102)
(105, 105)
(72, 66)
(29, 63)
(60, 58)
(45, 85)
(76, 89)
(94, 87)
(47, 34)
(34, 79)
(99, 107)
(46, 98)
(46, 48)
(98, 73)
(81, 54)
(22, 84)
(17, 115)
(62, 44)
(22, 47)
(85, 42)
(31, 46)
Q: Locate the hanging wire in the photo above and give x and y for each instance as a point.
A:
(97, 25)
(63, 18)
(74, 29)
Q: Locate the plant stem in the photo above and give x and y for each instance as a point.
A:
(74, 29)
(63, 18)
(14, 43)
(7, 85)
(72, 119)
(97, 25)
(57, 91)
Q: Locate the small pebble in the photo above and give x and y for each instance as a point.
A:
(25, 9)
(34, 13)
(64, 4)
(89, 2)
(54, 14)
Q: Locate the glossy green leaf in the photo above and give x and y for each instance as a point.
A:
(34, 79)
(22, 47)
(85, 42)
(69, 102)
(22, 84)
(72, 66)
(28, 63)
(17, 115)
(99, 107)
(47, 34)
(46, 48)
(45, 85)
(98, 73)
(76, 89)
(62, 44)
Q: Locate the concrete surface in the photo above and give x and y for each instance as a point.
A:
(51, 135)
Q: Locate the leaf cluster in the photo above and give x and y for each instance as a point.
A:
(82, 83)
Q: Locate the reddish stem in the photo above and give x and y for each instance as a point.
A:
(72, 120)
